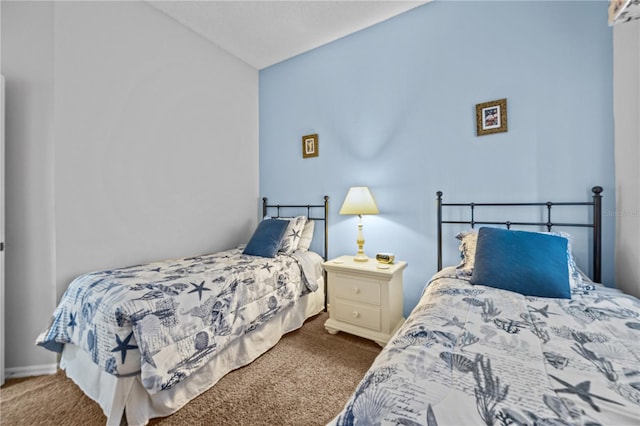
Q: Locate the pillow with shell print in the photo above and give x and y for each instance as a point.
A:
(292, 234)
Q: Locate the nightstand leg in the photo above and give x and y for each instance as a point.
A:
(331, 330)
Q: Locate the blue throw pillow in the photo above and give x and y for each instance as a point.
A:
(266, 239)
(529, 263)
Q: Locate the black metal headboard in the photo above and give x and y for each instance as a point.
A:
(323, 217)
(596, 222)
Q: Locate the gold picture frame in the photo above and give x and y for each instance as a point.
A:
(491, 117)
(310, 146)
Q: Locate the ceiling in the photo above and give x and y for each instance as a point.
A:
(263, 33)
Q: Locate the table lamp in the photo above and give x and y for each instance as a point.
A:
(359, 200)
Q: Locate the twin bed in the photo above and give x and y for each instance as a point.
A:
(515, 334)
(144, 340)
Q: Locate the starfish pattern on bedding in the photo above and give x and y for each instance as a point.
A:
(72, 321)
(542, 311)
(582, 391)
(124, 346)
(455, 321)
(199, 288)
(295, 234)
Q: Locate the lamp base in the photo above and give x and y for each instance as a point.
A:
(360, 257)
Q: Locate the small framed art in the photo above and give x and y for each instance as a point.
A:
(491, 117)
(310, 146)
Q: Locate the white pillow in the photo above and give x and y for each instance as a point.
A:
(307, 235)
(468, 240)
(292, 234)
(468, 253)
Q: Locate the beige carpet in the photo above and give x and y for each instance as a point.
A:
(304, 380)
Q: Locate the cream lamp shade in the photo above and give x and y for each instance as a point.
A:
(359, 200)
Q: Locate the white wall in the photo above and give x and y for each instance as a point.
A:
(626, 97)
(27, 64)
(145, 147)
(2, 308)
(156, 139)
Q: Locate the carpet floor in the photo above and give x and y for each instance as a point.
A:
(304, 380)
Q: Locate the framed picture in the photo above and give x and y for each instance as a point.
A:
(491, 117)
(310, 146)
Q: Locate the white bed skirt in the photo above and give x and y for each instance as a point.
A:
(119, 395)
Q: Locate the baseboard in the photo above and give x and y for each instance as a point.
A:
(32, 370)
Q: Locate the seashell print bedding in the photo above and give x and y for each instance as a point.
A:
(165, 320)
(474, 355)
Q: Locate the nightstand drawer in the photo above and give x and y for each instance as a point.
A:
(362, 316)
(356, 288)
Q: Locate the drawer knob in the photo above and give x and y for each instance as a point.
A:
(355, 290)
(355, 314)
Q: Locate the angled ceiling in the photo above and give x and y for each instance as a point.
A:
(263, 33)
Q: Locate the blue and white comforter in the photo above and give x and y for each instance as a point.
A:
(473, 355)
(165, 320)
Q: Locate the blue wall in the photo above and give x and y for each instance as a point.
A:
(394, 107)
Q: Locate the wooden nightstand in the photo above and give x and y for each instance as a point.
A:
(363, 299)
